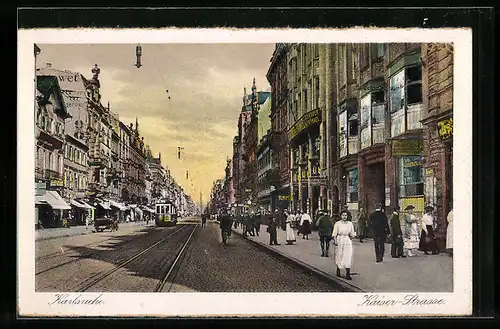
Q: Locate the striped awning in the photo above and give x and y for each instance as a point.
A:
(77, 204)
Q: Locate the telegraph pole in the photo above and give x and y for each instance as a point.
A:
(201, 201)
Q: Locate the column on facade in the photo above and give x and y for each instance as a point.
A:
(299, 178)
(310, 199)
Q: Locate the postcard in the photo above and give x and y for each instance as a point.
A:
(244, 172)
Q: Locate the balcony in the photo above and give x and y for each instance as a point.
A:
(100, 161)
(52, 174)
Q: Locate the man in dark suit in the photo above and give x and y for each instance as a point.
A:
(380, 231)
(397, 235)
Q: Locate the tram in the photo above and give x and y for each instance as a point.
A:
(166, 214)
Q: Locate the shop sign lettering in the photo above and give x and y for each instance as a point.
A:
(407, 147)
(445, 128)
(304, 122)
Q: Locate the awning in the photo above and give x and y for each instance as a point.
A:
(118, 205)
(86, 205)
(39, 199)
(56, 201)
(105, 205)
(77, 204)
(149, 209)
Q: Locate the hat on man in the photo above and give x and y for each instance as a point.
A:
(409, 207)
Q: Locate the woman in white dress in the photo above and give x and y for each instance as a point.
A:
(411, 239)
(449, 233)
(343, 232)
(290, 235)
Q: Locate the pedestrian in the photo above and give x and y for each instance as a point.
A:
(397, 235)
(380, 230)
(325, 230)
(305, 225)
(428, 239)
(361, 224)
(349, 215)
(298, 215)
(411, 239)
(203, 220)
(449, 233)
(290, 236)
(343, 232)
(256, 223)
(272, 230)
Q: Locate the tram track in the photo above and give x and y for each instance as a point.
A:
(160, 287)
(99, 278)
(77, 257)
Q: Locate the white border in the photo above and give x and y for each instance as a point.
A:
(247, 304)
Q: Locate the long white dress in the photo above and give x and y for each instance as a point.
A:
(343, 232)
(449, 231)
(411, 235)
(290, 235)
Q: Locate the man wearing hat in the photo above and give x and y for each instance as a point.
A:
(380, 230)
(397, 235)
(325, 229)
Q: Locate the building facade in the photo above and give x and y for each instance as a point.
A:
(437, 120)
(50, 116)
(279, 138)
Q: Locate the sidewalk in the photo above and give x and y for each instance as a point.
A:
(52, 233)
(422, 273)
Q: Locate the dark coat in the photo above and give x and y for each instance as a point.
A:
(272, 227)
(225, 222)
(379, 224)
(325, 226)
(396, 225)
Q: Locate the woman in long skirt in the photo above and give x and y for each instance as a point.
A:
(449, 233)
(411, 239)
(343, 233)
(427, 239)
(290, 235)
(305, 225)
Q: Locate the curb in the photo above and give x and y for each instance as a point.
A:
(67, 235)
(343, 285)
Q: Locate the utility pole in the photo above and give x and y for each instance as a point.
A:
(201, 201)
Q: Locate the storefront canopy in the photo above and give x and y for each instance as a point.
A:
(149, 210)
(83, 203)
(118, 205)
(55, 200)
(77, 204)
(105, 205)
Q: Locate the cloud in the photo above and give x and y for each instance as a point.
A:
(204, 81)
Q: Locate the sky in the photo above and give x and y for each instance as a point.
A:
(204, 81)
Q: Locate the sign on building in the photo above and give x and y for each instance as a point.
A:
(407, 147)
(445, 128)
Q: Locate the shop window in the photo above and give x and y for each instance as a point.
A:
(410, 176)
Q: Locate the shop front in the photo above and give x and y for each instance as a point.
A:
(409, 174)
(52, 209)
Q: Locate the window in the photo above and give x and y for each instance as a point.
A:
(353, 127)
(364, 58)
(414, 84)
(410, 176)
(316, 92)
(365, 110)
(379, 51)
(397, 92)
(71, 153)
(378, 107)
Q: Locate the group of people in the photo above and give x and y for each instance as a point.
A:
(402, 231)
